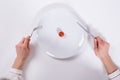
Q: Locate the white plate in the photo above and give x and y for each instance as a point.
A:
(60, 36)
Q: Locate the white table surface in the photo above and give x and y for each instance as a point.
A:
(16, 19)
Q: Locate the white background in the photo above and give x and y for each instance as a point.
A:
(16, 19)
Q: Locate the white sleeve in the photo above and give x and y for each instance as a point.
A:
(15, 74)
(115, 75)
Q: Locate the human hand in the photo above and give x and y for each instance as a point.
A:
(22, 50)
(101, 47)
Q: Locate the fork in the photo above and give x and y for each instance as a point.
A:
(86, 30)
(34, 29)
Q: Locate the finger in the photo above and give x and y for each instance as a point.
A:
(100, 41)
(28, 37)
(26, 42)
(103, 41)
(95, 44)
(22, 41)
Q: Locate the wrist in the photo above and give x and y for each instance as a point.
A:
(18, 63)
(104, 57)
(108, 63)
